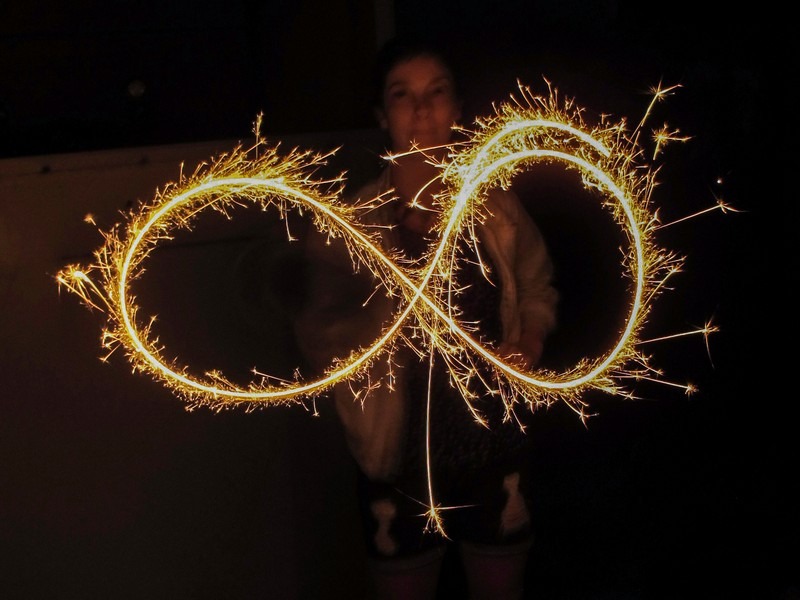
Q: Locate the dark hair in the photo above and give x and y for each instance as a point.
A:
(400, 49)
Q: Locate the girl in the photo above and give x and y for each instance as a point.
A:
(480, 471)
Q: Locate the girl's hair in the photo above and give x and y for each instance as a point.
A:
(401, 49)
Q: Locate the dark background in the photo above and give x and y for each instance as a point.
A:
(108, 488)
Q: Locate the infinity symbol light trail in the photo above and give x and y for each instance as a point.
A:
(526, 130)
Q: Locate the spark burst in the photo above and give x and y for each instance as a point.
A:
(525, 130)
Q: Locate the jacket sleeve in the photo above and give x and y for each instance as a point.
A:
(529, 299)
(537, 298)
(346, 309)
(335, 318)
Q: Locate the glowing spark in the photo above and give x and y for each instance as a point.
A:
(664, 135)
(527, 130)
(720, 206)
(705, 331)
(659, 94)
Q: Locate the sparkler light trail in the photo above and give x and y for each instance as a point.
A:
(522, 131)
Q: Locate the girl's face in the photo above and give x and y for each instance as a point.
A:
(419, 104)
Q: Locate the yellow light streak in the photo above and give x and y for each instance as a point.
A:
(525, 130)
(521, 132)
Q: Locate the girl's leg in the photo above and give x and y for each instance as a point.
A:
(413, 578)
(495, 572)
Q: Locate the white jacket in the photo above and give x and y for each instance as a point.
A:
(335, 321)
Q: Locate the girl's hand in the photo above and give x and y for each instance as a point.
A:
(524, 354)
